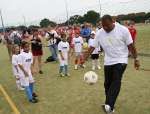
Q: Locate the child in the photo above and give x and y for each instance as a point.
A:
(25, 62)
(16, 51)
(63, 48)
(78, 43)
(95, 54)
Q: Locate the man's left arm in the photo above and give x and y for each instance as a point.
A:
(131, 47)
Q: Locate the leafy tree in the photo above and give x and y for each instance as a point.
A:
(46, 22)
(74, 19)
(92, 17)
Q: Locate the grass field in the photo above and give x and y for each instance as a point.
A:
(73, 96)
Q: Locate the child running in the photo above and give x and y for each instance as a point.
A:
(63, 48)
(78, 43)
(16, 52)
(95, 54)
(25, 62)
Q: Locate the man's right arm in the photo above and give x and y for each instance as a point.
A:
(88, 53)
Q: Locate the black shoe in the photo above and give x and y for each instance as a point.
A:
(41, 72)
(34, 95)
(33, 100)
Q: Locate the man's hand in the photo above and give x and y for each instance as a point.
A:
(88, 53)
(136, 64)
(62, 58)
(132, 49)
(26, 74)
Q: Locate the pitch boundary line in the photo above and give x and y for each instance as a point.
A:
(10, 102)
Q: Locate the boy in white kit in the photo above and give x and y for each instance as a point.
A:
(95, 54)
(78, 43)
(63, 48)
(16, 51)
(25, 63)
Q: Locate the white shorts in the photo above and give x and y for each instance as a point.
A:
(25, 81)
(63, 62)
(78, 54)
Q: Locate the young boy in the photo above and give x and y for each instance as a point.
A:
(78, 43)
(63, 48)
(25, 62)
(16, 51)
(95, 54)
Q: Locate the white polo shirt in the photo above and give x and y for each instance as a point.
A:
(115, 44)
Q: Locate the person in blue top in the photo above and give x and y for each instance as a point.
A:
(86, 31)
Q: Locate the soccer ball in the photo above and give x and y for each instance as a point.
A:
(85, 45)
(90, 77)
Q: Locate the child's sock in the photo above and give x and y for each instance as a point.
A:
(61, 69)
(93, 65)
(66, 69)
(18, 84)
(97, 63)
(29, 93)
(31, 87)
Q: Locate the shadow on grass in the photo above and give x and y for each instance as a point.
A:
(144, 54)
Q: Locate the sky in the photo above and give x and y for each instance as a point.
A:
(16, 12)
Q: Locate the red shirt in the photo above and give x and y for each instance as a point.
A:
(133, 33)
(71, 35)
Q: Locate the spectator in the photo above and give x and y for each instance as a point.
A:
(133, 32)
(51, 37)
(86, 32)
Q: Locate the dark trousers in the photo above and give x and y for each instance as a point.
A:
(112, 84)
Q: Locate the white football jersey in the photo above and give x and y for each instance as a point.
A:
(26, 60)
(64, 48)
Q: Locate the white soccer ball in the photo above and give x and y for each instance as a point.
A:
(90, 77)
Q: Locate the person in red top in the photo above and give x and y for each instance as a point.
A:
(132, 32)
(71, 36)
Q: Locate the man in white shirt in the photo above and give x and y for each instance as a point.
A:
(51, 37)
(16, 37)
(116, 42)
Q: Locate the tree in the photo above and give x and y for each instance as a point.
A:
(74, 19)
(92, 17)
(21, 27)
(46, 22)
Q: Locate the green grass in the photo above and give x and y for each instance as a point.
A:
(72, 95)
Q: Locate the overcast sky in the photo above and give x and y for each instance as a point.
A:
(35, 10)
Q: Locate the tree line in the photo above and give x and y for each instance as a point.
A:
(94, 17)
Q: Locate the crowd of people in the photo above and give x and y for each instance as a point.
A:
(114, 39)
